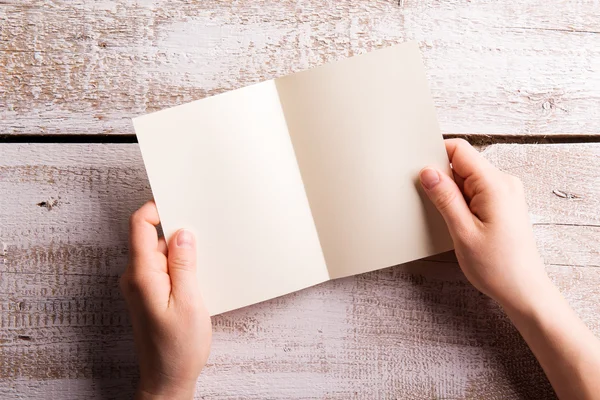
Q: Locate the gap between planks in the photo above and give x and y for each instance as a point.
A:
(474, 139)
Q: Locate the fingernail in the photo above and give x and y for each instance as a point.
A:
(185, 239)
(429, 178)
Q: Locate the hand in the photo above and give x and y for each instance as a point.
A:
(171, 326)
(486, 214)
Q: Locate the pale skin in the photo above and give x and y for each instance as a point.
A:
(486, 214)
(171, 326)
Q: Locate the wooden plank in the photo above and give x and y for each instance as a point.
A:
(412, 331)
(495, 68)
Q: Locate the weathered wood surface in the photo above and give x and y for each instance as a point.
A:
(511, 67)
(413, 331)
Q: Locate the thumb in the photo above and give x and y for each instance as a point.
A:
(182, 263)
(448, 199)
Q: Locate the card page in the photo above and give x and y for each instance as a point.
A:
(362, 129)
(224, 167)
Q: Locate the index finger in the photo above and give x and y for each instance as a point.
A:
(466, 161)
(143, 237)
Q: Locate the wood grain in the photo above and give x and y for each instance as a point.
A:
(412, 331)
(87, 67)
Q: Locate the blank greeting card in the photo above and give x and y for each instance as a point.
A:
(293, 181)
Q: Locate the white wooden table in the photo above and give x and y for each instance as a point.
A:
(520, 79)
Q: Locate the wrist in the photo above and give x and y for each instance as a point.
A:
(153, 391)
(141, 394)
(537, 300)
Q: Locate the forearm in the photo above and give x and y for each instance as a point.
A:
(567, 350)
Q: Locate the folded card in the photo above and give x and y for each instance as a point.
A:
(293, 181)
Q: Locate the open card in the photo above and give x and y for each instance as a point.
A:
(293, 181)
